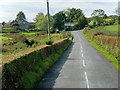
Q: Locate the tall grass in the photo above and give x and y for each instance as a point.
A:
(107, 45)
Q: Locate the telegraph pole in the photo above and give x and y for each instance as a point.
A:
(48, 20)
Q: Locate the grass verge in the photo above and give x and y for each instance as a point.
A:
(104, 52)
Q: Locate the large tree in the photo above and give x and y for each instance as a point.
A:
(82, 21)
(70, 15)
(20, 16)
(59, 19)
(98, 15)
(41, 21)
(73, 14)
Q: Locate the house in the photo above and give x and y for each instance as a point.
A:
(69, 26)
(23, 24)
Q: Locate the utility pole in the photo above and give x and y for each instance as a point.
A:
(64, 24)
(48, 20)
(70, 23)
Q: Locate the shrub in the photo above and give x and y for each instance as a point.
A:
(49, 42)
(98, 33)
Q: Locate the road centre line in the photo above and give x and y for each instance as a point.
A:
(83, 63)
(82, 54)
(87, 80)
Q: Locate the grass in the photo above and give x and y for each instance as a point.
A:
(12, 43)
(111, 28)
(1, 34)
(4, 38)
(104, 52)
(107, 19)
(91, 23)
(29, 33)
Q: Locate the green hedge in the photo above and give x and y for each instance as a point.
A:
(27, 70)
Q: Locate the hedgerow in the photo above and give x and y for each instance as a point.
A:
(27, 70)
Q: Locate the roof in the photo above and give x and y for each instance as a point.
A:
(69, 24)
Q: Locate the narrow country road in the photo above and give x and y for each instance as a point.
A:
(81, 66)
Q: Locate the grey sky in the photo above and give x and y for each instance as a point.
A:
(10, 8)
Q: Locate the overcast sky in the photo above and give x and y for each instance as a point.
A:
(10, 8)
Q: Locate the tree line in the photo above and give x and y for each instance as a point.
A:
(57, 21)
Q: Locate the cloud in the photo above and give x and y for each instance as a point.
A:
(10, 8)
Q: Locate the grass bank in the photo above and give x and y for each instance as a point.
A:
(104, 52)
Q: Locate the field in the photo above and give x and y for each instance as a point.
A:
(105, 39)
(13, 43)
(112, 28)
(91, 22)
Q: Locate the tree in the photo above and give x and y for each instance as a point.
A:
(14, 25)
(3, 23)
(98, 15)
(41, 21)
(82, 21)
(105, 16)
(59, 19)
(73, 14)
(20, 16)
(76, 16)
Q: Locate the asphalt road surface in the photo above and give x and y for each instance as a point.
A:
(81, 66)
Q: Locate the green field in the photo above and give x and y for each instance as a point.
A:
(111, 28)
(91, 23)
(107, 19)
(4, 38)
(29, 33)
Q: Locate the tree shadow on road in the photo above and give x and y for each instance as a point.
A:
(52, 74)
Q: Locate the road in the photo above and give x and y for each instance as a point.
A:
(81, 66)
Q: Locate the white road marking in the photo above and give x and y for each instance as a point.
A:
(87, 80)
(81, 50)
(82, 54)
(83, 63)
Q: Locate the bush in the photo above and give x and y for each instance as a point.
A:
(98, 33)
(49, 42)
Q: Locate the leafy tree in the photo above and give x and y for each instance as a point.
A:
(82, 21)
(41, 22)
(76, 16)
(73, 14)
(105, 16)
(20, 16)
(59, 19)
(98, 15)
(14, 25)
(3, 23)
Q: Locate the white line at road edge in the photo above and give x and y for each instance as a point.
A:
(87, 80)
(83, 63)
